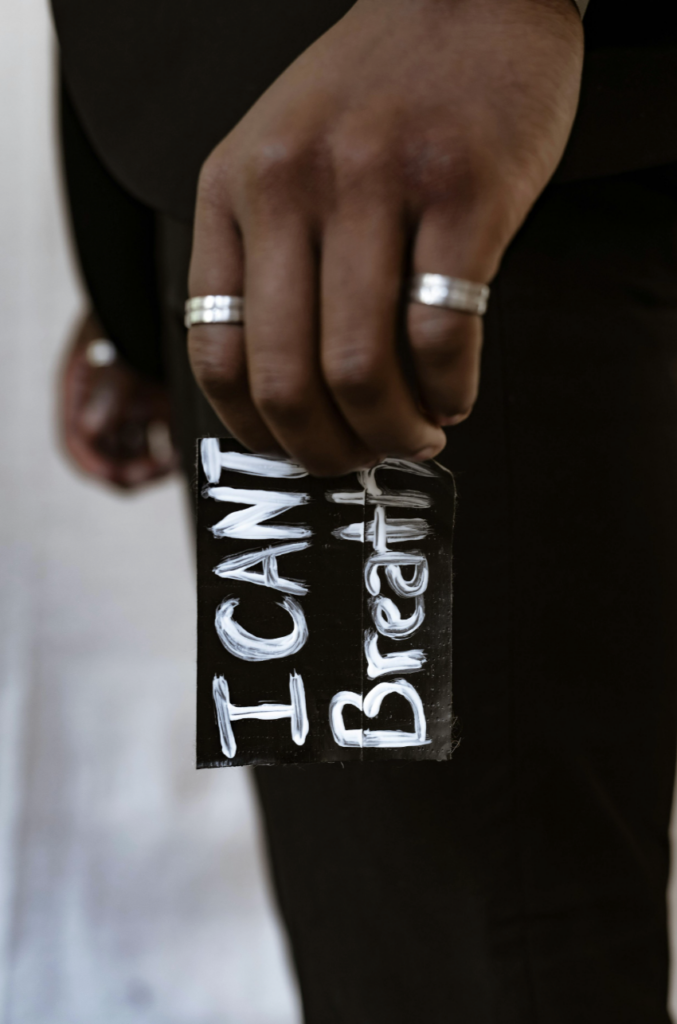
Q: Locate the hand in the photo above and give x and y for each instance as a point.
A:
(115, 422)
(414, 136)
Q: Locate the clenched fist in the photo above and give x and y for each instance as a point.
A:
(115, 423)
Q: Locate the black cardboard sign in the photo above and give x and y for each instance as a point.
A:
(324, 611)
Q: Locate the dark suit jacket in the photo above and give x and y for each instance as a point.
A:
(157, 83)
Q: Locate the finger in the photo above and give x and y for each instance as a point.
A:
(101, 410)
(115, 423)
(446, 345)
(78, 440)
(161, 443)
(117, 453)
(217, 351)
(111, 439)
(121, 456)
(86, 456)
(363, 259)
(136, 472)
(282, 351)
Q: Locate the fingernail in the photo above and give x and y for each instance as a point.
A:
(452, 421)
(425, 453)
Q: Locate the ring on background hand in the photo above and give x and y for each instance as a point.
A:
(101, 352)
(214, 309)
(449, 293)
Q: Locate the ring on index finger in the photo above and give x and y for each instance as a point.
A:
(449, 293)
(214, 309)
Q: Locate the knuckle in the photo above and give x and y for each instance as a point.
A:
(218, 377)
(439, 337)
(274, 162)
(359, 157)
(449, 172)
(213, 180)
(281, 399)
(354, 373)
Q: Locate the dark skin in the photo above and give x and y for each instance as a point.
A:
(414, 136)
(106, 413)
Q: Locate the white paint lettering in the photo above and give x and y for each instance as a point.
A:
(238, 567)
(389, 664)
(393, 562)
(245, 523)
(227, 713)
(397, 531)
(388, 620)
(371, 705)
(249, 647)
(214, 460)
(381, 532)
(391, 499)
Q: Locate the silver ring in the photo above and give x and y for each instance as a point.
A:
(449, 292)
(214, 309)
(101, 352)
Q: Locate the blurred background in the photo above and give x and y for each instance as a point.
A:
(132, 888)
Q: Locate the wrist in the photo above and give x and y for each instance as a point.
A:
(437, 10)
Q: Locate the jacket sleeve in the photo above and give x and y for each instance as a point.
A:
(115, 240)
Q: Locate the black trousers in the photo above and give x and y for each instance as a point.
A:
(524, 881)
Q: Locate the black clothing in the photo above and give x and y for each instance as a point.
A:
(115, 236)
(157, 83)
(524, 881)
